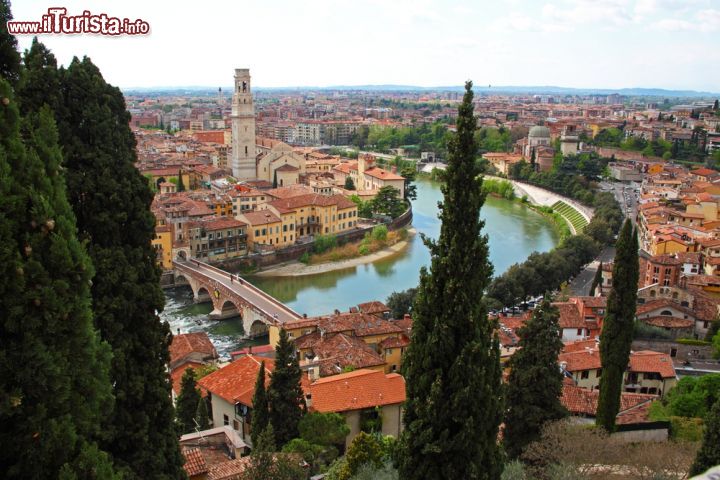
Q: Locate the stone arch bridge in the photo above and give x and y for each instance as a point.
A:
(232, 296)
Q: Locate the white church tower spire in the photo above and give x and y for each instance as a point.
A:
(243, 127)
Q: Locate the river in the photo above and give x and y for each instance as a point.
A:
(514, 232)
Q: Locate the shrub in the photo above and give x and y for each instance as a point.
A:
(379, 233)
(305, 258)
(324, 243)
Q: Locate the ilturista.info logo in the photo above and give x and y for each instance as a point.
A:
(57, 21)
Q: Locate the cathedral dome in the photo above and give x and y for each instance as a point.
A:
(539, 132)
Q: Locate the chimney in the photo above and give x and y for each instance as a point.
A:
(393, 169)
(250, 350)
(407, 317)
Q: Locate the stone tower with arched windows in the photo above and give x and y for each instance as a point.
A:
(243, 127)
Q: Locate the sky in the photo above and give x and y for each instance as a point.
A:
(673, 44)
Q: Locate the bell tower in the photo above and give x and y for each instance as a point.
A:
(243, 127)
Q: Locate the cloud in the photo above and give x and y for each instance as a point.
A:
(705, 21)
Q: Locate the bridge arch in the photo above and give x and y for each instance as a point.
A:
(255, 328)
(181, 255)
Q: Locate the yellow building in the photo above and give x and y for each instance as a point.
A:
(265, 230)
(317, 214)
(162, 243)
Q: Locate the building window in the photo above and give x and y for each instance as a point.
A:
(585, 374)
(226, 420)
(579, 331)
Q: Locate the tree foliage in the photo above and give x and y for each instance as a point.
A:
(387, 201)
(452, 367)
(111, 201)
(401, 302)
(617, 333)
(709, 454)
(9, 56)
(187, 402)
(54, 384)
(285, 393)
(260, 410)
(535, 384)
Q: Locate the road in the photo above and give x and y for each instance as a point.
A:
(580, 285)
(626, 196)
(262, 301)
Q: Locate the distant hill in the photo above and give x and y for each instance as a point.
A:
(531, 90)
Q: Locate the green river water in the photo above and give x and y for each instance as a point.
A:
(514, 232)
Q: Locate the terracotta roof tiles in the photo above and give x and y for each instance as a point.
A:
(357, 390)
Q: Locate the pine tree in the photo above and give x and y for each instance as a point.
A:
(187, 402)
(260, 413)
(597, 281)
(201, 415)
(452, 367)
(709, 454)
(111, 202)
(535, 383)
(617, 331)
(9, 56)
(54, 383)
(349, 184)
(285, 393)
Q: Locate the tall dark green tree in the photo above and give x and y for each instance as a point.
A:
(187, 402)
(111, 202)
(349, 184)
(709, 454)
(617, 331)
(597, 280)
(275, 182)
(535, 384)
(260, 413)
(40, 81)
(201, 414)
(285, 393)
(54, 383)
(181, 184)
(452, 367)
(409, 174)
(9, 55)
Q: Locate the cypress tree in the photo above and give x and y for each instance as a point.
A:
(617, 332)
(187, 402)
(180, 185)
(709, 454)
(54, 384)
(285, 393)
(260, 414)
(9, 55)
(535, 382)
(39, 81)
(452, 367)
(111, 202)
(275, 184)
(201, 414)
(597, 281)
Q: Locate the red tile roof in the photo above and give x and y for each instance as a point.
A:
(569, 315)
(668, 322)
(230, 470)
(334, 352)
(373, 307)
(194, 462)
(236, 381)
(177, 373)
(581, 401)
(588, 359)
(652, 362)
(400, 341)
(184, 344)
(357, 390)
